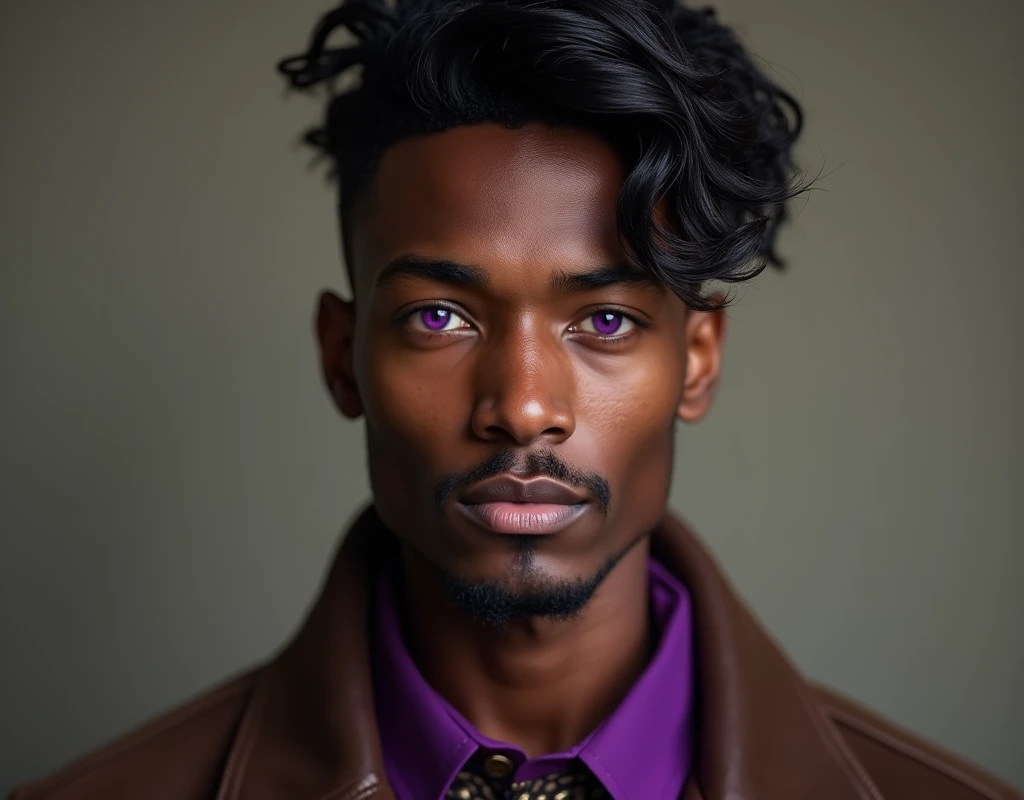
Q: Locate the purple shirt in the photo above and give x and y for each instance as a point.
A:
(641, 752)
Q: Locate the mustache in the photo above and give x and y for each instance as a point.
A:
(544, 462)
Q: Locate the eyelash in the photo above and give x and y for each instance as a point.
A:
(403, 317)
(638, 324)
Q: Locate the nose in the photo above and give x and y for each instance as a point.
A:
(524, 388)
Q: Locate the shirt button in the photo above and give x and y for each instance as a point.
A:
(498, 766)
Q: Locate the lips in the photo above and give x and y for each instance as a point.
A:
(510, 505)
(507, 489)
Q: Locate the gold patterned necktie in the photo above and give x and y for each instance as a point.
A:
(577, 783)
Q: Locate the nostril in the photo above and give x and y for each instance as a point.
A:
(519, 410)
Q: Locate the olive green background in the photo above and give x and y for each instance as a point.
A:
(173, 478)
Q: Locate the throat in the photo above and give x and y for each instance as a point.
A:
(541, 684)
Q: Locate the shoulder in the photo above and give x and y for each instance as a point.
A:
(177, 755)
(901, 764)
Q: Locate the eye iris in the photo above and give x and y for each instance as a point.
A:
(607, 323)
(435, 318)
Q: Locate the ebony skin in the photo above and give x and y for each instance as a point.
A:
(520, 366)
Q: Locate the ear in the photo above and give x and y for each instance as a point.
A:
(705, 337)
(335, 331)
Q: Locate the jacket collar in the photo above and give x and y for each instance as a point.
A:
(309, 730)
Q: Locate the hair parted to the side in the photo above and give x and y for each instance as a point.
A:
(698, 125)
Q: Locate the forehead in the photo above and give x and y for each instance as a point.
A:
(516, 202)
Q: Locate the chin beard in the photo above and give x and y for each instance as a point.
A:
(529, 594)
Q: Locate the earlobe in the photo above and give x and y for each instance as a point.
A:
(705, 335)
(335, 333)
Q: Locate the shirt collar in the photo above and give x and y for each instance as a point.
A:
(422, 743)
(643, 749)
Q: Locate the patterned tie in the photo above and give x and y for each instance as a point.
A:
(577, 783)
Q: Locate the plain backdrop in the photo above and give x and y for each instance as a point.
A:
(173, 478)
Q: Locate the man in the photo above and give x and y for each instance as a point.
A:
(537, 199)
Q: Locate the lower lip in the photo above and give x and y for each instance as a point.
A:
(523, 518)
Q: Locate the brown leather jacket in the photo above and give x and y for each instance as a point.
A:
(302, 726)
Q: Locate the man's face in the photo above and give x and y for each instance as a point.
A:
(520, 381)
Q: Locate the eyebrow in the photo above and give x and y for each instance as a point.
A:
(432, 269)
(600, 278)
(452, 273)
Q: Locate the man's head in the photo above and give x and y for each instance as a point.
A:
(535, 195)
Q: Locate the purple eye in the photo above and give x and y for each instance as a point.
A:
(607, 323)
(435, 319)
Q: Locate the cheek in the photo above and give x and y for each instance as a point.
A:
(411, 413)
(630, 415)
(412, 406)
(632, 400)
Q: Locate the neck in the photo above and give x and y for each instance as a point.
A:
(541, 685)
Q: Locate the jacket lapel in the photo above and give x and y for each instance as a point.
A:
(310, 733)
(762, 736)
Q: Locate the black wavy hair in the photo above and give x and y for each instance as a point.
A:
(696, 122)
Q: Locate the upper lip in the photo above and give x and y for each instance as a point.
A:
(505, 488)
